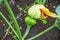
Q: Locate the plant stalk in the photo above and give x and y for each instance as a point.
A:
(42, 33)
(27, 31)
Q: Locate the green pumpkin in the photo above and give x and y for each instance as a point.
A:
(30, 21)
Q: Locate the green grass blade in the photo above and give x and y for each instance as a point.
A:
(8, 23)
(13, 18)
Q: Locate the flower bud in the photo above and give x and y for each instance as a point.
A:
(34, 11)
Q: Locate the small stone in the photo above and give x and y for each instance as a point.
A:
(20, 27)
(46, 26)
(12, 2)
(4, 30)
(3, 24)
(46, 5)
(1, 21)
(54, 6)
(17, 5)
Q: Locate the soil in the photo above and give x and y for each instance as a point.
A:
(54, 34)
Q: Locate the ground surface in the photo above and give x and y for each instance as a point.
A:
(54, 34)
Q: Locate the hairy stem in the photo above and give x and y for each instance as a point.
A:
(42, 33)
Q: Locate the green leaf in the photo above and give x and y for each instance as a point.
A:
(58, 11)
(58, 26)
(57, 23)
(20, 8)
(40, 1)
(44, 21)
(1, 1)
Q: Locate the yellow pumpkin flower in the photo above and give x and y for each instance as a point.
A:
(47, 13)
(40, 11)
